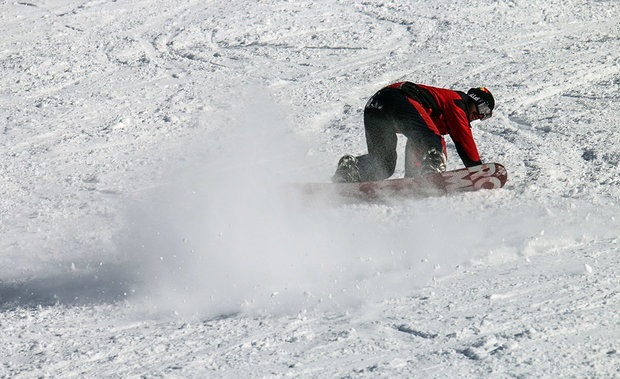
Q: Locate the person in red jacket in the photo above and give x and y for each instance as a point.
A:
(424, 114)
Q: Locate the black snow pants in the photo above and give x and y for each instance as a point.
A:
(387, 113)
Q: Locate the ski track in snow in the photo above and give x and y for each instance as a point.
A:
(146, 232)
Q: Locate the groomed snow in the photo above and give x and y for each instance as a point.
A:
(148, 230)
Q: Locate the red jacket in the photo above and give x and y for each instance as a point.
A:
(448, 114)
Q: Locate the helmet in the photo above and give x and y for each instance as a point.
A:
(484, 101)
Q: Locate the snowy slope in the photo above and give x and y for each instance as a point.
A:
(146, 232)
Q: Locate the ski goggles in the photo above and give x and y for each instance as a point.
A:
(483, 110)
(482, 107)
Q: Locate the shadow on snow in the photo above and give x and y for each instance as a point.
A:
(107, 284)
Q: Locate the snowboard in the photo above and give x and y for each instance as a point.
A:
(485, 176)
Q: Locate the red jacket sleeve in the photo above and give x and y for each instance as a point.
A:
(461, 134)
(453, 121)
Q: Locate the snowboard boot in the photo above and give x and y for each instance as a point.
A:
(433, 161)
(348, 170)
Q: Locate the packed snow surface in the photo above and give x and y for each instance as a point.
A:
(149, 229)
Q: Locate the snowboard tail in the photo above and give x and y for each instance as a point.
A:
(485, 176)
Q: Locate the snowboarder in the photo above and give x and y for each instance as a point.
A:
(423, 114)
